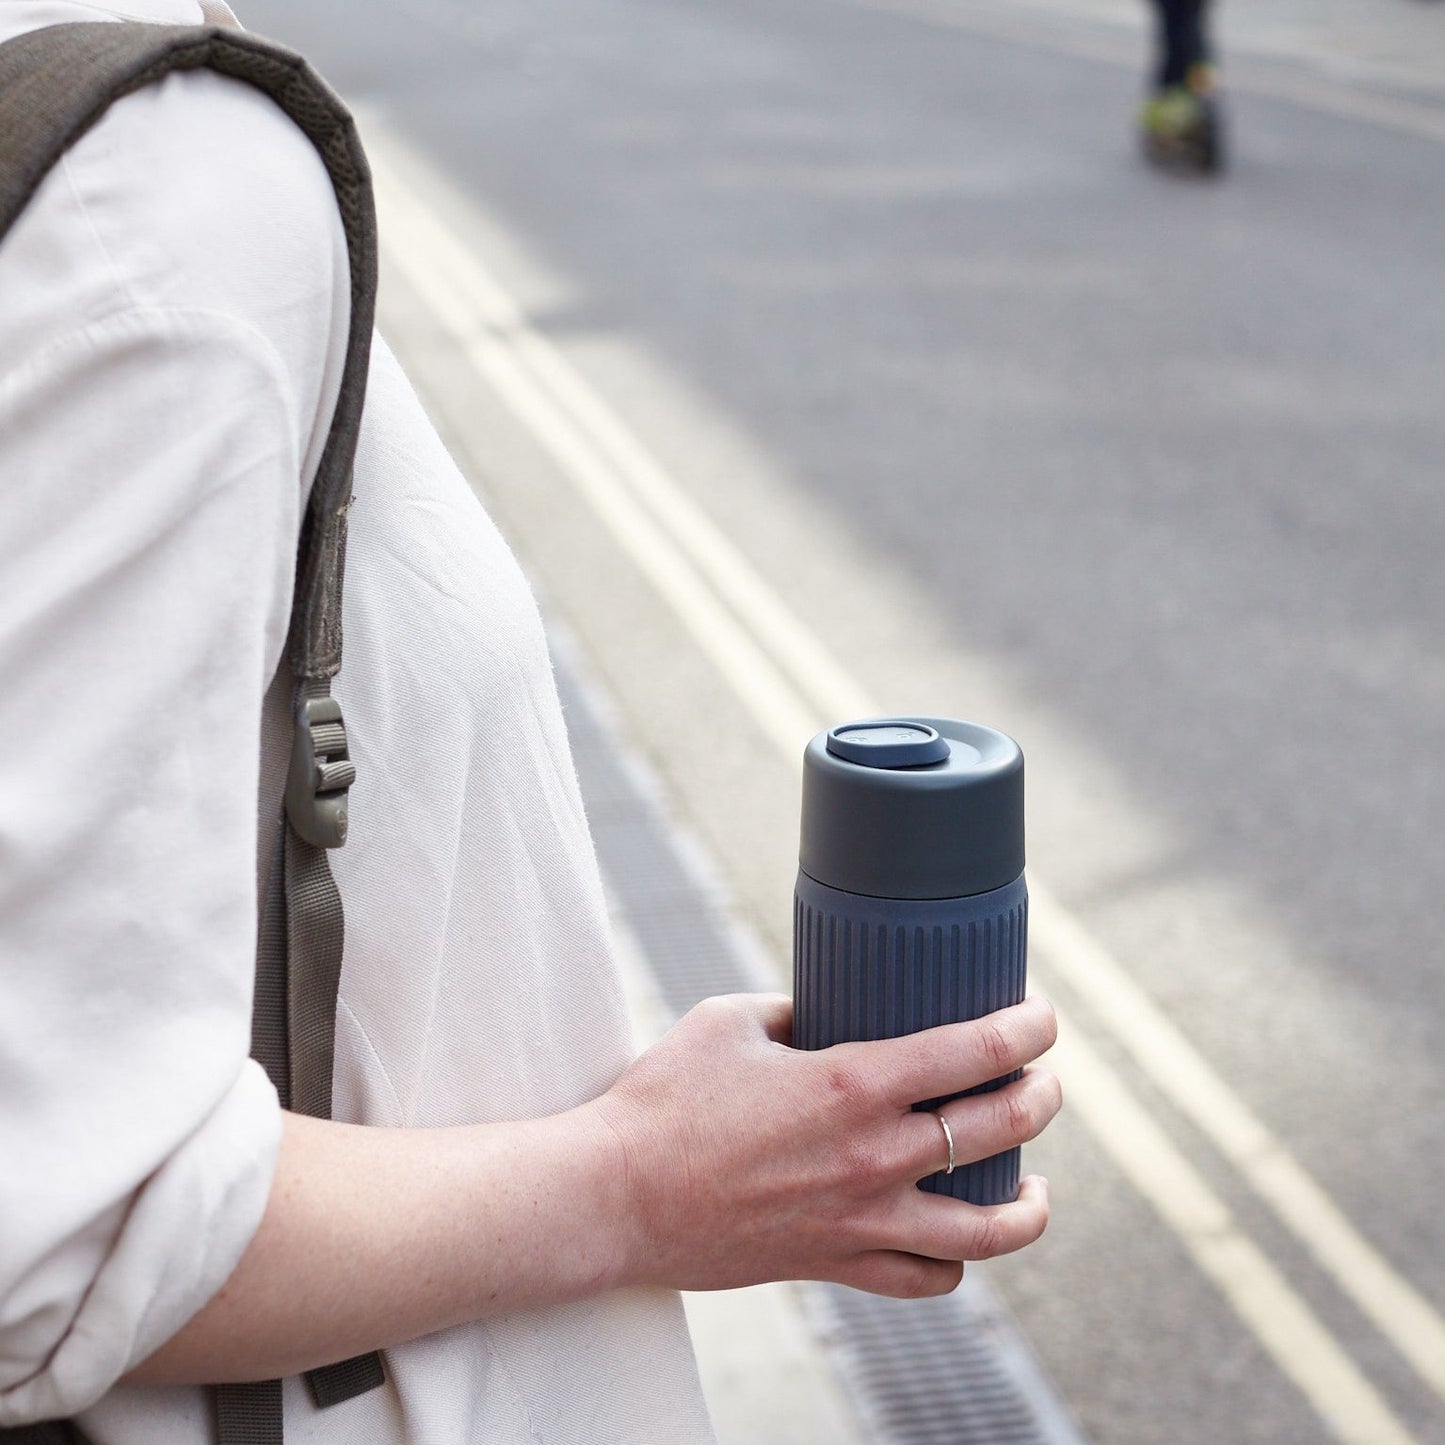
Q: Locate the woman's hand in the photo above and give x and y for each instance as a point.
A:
(745, 1160)
(721, 1157)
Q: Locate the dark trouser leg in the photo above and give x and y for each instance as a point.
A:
(1182, 41)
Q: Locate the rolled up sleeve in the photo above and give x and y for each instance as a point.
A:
(118, 1286)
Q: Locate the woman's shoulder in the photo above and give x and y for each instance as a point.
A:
(196, 193)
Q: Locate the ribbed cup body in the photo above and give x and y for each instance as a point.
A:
(874, 968)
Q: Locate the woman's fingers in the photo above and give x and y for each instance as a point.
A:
(954, 1057)
(984, 1124)
(940, 1228)
(901, 1276)
(936, 1235)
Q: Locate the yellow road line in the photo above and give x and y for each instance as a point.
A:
(1259, 1293)
(1178, 1069)
(791, 685)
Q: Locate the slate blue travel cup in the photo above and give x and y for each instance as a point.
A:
(910, 908)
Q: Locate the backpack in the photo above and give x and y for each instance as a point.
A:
(55, 83)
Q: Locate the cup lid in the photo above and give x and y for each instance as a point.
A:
(913, 807)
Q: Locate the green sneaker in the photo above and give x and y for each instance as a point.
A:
(1180, 125)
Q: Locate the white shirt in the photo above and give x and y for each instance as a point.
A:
(173, 310)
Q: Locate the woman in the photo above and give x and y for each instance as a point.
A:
(501, 1200)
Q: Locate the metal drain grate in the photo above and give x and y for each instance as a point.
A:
(951, 1371)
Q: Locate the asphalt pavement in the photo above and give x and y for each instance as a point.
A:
(944, 401)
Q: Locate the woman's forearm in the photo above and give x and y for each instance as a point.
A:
(722, 1157)
(373, 1236)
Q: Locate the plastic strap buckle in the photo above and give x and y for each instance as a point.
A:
(321, 774)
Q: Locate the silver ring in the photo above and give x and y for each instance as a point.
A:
(947, 1134)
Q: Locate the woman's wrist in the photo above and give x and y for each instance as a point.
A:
(373, 1236)
(578, 1206)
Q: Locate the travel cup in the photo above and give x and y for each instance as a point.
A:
(911, 909)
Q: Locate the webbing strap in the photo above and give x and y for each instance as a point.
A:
(299, 949)
(315, 937)
(249, 1414)
(293, 1034)
(346, 1379)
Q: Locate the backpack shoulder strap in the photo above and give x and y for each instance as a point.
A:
(55, 84)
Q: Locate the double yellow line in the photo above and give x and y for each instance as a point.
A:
(791, 685)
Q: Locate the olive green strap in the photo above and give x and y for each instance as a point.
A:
(249, 1414)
